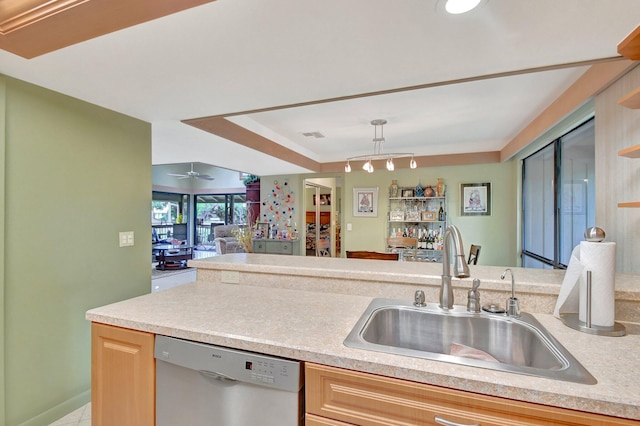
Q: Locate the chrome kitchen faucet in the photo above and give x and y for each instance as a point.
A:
(460, 267)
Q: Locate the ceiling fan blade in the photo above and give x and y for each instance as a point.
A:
(177, 175)
(205, 177)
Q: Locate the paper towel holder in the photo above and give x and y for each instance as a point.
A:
(572, 320)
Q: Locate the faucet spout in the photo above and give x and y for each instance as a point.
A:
(460, 267)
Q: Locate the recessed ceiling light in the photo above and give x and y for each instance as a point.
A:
(456, 7)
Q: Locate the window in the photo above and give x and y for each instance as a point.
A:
(558, 195)
(218, 209)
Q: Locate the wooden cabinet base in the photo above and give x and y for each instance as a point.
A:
(122, 377)
(365, 399)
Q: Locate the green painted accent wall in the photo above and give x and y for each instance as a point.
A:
(497, 234)
(75, 175)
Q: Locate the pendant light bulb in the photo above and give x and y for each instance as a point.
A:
(347, 168)
(413, 163)
(390, 166)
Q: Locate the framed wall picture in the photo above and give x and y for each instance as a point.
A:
(475, 199)
(325, 199)
(365, 202)
(429, 216)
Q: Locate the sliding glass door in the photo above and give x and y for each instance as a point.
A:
(218, 209)
(558, 198)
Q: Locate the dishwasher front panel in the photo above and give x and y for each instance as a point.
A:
(205, 385)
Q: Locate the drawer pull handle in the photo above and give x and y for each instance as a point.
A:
(444, 422)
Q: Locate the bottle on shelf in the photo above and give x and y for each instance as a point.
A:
(441, 213)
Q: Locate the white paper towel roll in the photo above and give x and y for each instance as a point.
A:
(600, 259)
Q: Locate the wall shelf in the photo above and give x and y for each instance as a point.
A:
(630, 46)
(631, 100)
(631, 152)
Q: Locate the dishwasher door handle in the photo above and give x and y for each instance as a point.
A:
(218, 376)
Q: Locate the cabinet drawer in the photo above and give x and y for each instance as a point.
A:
(311, 420)
(366, 400)
(279, 247)
(259, 246)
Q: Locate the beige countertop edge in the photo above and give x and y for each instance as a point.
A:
(617, 394)
(528, 281)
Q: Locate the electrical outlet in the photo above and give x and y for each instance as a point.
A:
(126, 239)
(230, 277)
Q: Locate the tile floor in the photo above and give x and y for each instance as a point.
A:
(80, 417)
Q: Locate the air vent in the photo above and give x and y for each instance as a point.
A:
(316, 135)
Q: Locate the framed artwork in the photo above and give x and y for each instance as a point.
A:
(396, 216)
(428, 216)
(475, 199)
(262, 230)
(414, 216)
(407, 193)
(325, 199)
(365, 202)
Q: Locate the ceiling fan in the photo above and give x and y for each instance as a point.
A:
(191, 174)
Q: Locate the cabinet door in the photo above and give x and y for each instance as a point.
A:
(366, 400)
(122, 377)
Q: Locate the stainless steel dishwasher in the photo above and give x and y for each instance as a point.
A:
(199, 384)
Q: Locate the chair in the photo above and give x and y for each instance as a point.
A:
(225, 241)
(406, 246)
(372, 255)
(474, 253)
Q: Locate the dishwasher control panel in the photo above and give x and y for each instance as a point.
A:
(222, 363)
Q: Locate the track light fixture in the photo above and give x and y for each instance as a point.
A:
(378, 153)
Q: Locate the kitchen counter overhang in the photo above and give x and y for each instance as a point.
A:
(310, 325)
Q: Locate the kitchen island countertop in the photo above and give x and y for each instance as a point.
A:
(311, 326)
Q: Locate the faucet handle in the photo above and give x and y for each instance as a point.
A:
(419, 299)
(473, 297)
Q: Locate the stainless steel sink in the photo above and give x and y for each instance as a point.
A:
(519, 345)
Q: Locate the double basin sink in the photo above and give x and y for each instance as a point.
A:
(518, 345)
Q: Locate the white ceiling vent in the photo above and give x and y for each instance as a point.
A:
(316, 135)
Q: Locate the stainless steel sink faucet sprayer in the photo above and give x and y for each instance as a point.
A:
(513, 304)
(460, 267)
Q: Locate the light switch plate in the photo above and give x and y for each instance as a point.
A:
(126, 239)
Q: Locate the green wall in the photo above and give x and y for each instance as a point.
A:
(75, 175)
(497, 234)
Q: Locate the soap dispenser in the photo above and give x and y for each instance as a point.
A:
(473, 297)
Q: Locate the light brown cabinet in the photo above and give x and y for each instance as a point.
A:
(122, 377)
(337, 397)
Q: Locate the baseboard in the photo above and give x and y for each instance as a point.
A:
(51, 415)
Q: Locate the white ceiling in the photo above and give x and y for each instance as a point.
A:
(240, 55)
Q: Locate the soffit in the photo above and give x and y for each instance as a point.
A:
(31, 28)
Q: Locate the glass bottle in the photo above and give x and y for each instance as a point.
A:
(440, 187)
